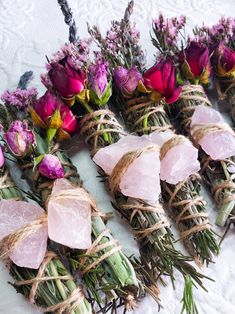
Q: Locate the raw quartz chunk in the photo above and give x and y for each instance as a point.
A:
(14, 215)
(141, 180)
(179, 163)
(218, 145)
(108, 157)
(69, 218)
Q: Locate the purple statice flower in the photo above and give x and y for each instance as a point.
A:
(167, 34)
(77, 52)
(51, 167)
(21, 98)
(223, 31)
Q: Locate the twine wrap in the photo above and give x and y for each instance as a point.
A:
(172, 142)
(190, 97)
(66, 306)
(200, 219)
(8, 243)
(109, 248)
(140, 208)
(141, 109)
(98, 123)
(218, 189)
(124, 163)
(198, 131)
(137, 207)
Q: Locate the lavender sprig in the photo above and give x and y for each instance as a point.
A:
(69, 20)
(121, 44)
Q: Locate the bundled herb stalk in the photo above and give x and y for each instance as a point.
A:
(51, 287)
(220, 39)
(193, 71)
(104, 268)
(139, 101)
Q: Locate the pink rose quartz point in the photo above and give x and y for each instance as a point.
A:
(218, 145)
(179, 163)
(69, 220)
(204, 115)
(142, 180)
(159, 138)
(108, 157)
(14, 215)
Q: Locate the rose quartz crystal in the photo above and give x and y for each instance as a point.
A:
(108, 157)
(179, 163)
(69, 219)
(14, 215)
(141, 180)
(218, 145)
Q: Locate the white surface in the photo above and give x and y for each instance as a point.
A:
(29, 30)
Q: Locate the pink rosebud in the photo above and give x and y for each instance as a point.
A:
(20, 139)
(51, 167)
(127, 80)
(66, 79)
(2, 159)
(195, 62)
(161, 78)
(51, 112)
(224, 60)
(100, 88)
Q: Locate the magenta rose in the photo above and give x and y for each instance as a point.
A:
(51, 112)
(161, 79)
(224, 61)
(195, 63)
(67, 80)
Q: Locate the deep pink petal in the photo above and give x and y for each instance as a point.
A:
(175, 96)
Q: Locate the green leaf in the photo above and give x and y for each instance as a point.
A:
(37, 160)
(179, 78)
(51, 132)
(41, 144)
(100, 101)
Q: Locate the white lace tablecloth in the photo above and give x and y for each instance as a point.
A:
(29, 30)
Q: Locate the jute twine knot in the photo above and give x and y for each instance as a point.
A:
(172, 142)
(146, 108)
(200, 219)
(198, 131)
(66, 306)
(124, 163)
(98, 123)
